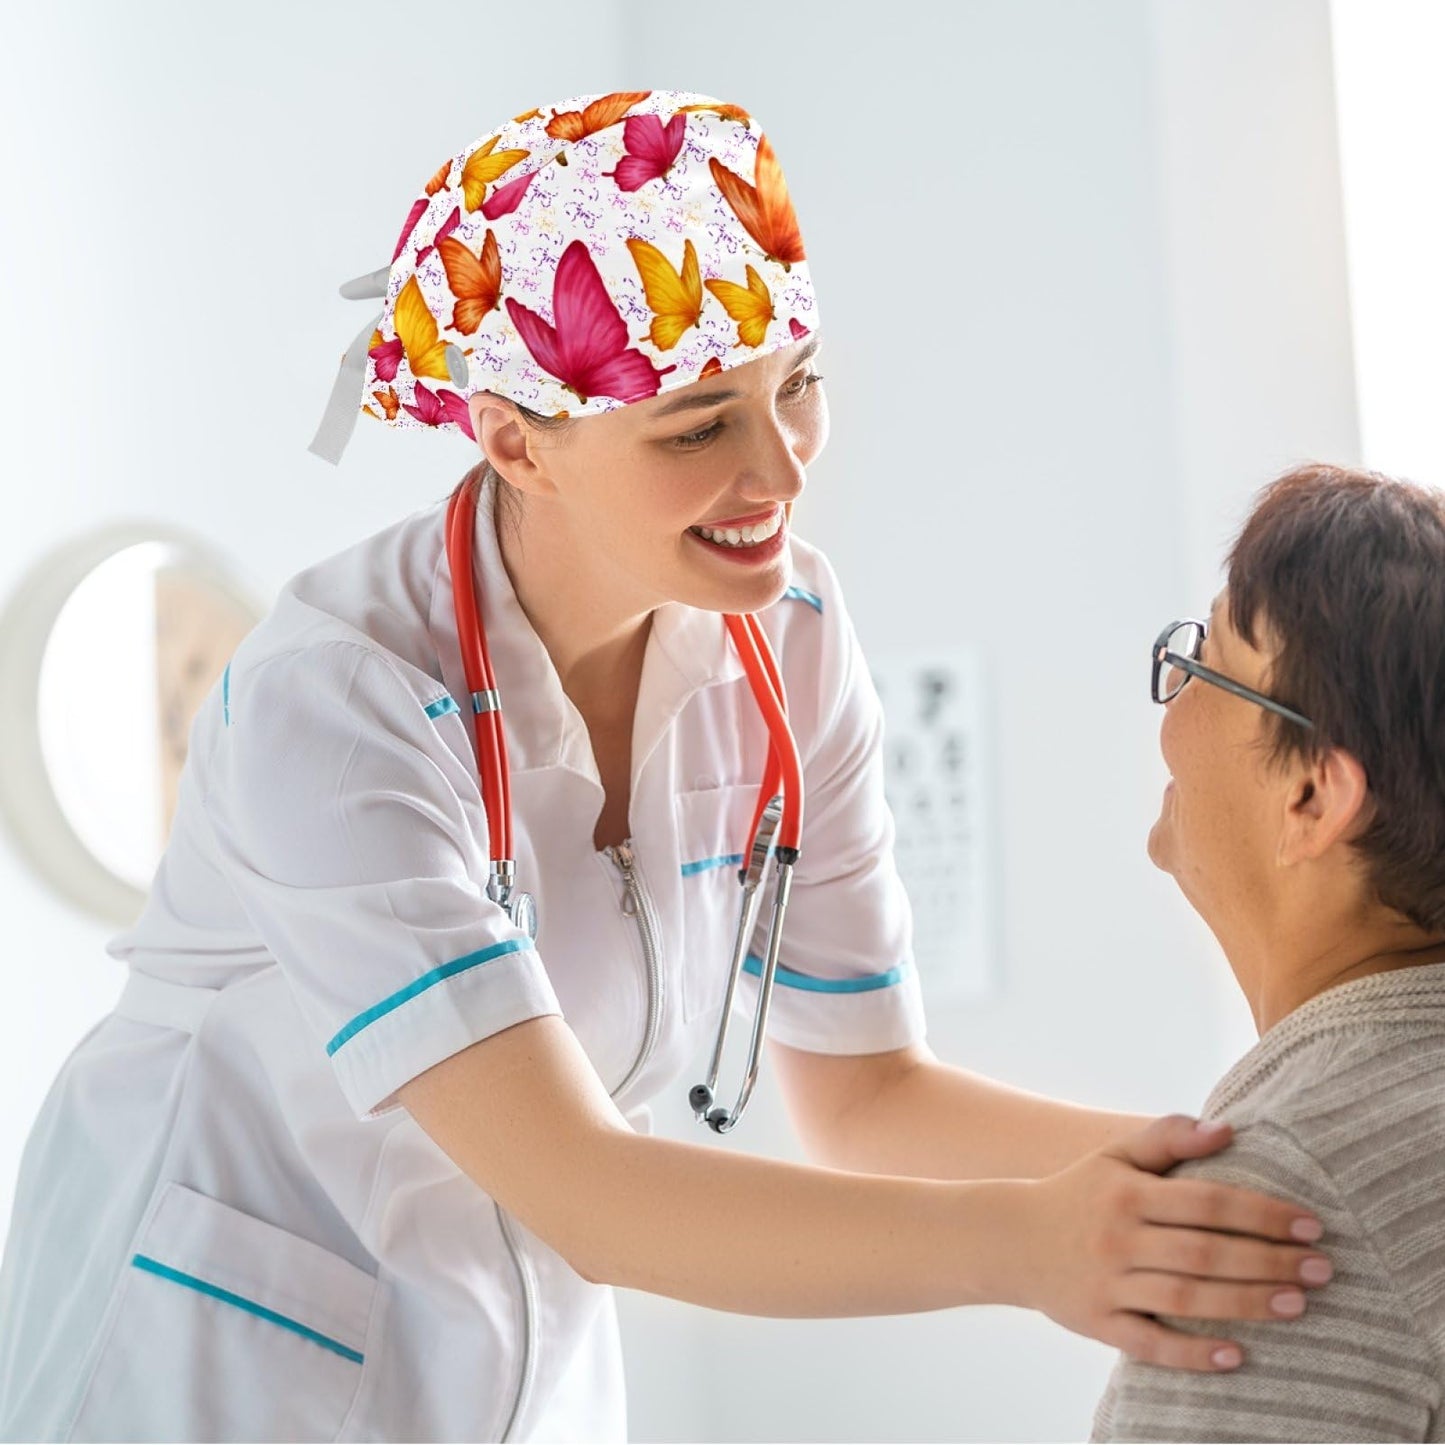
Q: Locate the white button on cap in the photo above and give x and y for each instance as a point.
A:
(457, 365)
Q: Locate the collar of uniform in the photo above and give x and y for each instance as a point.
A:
(687, 649)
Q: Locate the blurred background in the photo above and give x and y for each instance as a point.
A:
(1090, 275)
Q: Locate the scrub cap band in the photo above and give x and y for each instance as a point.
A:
(584, 256)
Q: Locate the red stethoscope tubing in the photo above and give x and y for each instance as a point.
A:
(783, 769)
(492, 766)
(783, 766)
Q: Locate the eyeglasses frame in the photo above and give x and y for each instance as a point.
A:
(1162, 655)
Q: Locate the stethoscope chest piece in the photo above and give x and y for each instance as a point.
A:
(522, 910)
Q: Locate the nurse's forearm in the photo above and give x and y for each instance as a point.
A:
(524, 1116)
(764, 1237)
(907, 1113)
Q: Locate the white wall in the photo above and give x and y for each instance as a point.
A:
(1083, 290)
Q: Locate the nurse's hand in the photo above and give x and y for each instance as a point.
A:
(1115, 1245)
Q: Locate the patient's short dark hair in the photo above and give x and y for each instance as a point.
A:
(1344, 572)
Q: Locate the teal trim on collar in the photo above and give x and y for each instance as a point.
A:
(809, 984)
(801, 594)
(420, 985)
(730, 860)
(151, 1266)
(442, 706)
(226, 695)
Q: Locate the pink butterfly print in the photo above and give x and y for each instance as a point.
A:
(418, 206)
(440, 406)
(505, 199)
(797, 328)
(387, 357)
(447, 227)
(652, 148)
(587, 349)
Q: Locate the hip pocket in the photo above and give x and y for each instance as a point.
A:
(225, 1327)
(711, 826)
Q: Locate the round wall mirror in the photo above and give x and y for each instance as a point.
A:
(107, 650)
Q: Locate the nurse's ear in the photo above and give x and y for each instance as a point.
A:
(515, 449)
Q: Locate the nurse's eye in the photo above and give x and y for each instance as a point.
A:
(700, 438)
(800, 384)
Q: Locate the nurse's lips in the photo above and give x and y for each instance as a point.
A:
(746, 553)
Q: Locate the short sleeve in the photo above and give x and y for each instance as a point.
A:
(846, 981)
(355, 841)
(1356, 1366)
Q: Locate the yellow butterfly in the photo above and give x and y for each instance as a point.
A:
(482, 168)
(426, 352)
(675, 296)
(751, 306)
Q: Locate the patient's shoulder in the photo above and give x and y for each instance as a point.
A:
(1366, 1103)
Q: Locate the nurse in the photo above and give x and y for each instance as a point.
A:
(358, 1157)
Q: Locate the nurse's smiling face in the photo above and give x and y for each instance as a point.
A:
(683, 497)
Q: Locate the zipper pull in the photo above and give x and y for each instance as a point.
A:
(621, 854)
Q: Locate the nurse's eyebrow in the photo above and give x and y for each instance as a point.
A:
(692, 403)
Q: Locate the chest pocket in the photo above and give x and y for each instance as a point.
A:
(711, 826)
(224, 1327)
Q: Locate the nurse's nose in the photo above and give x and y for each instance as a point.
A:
(775, 471)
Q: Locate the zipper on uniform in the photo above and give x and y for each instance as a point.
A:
(529, 1321)
(636, 904)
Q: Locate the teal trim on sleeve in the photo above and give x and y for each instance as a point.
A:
(226, 695)
(420, 985)
(442, 706)
(151, 1266)
(703, 865)
(801, 594)
(809, 984)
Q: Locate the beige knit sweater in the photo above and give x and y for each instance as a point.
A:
(1341, 1107)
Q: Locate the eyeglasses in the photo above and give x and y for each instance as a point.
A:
(1176, 660)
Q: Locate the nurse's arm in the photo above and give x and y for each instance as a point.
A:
(1096, 1247)
(904, 1112)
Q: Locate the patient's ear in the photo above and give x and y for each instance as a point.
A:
(1328, 799)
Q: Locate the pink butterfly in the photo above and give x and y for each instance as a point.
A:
(505, 199)
(652, 148)
(797, 328)
(587, 349)
(412, 217)
(447, 227)
(434, 408)
(387, 357)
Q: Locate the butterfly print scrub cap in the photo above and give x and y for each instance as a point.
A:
(586, 255)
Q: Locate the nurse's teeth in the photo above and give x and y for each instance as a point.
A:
(742, 536)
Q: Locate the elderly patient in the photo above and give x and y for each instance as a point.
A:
(1305, 821)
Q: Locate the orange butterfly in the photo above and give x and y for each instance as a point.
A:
(390, 402)
(604, 111)
(476, 282)
(482, 168)
(711, 367)
(675, 296)
(440, 179)
(426, 352)
(764, 208)
(751, 306)
(729, 112)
